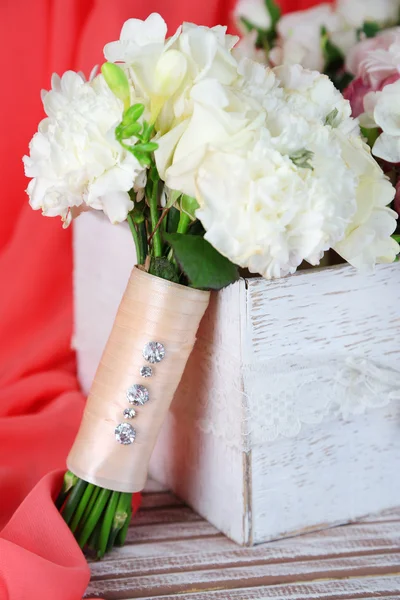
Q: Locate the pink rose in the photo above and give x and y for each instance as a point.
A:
(376, 59)
(375, 62)
(355, 93)
(358, 89)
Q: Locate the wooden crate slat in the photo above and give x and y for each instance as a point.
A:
(170, 531)
(368, 588)
(175, 514)
(149, 558)
(247, 576)
(159, 500)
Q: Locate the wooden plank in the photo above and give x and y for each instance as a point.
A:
(248, 576)
(159, 500)
(170, 531)
(368, 588)
(178, 514)
(144, 559)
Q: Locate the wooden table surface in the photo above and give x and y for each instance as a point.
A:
(171, 552)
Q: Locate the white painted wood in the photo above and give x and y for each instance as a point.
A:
(256, 345)
(343, 563)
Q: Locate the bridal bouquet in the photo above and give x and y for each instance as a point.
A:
(216, 164)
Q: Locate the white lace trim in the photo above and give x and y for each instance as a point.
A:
(284, 395)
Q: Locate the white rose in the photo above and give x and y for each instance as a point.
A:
(253, 11)
(299, 39)
(367, 240)
(75, 160)
(383, 109)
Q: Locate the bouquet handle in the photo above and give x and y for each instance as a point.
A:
(142, 364)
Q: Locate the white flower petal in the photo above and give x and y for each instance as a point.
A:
(116, 205)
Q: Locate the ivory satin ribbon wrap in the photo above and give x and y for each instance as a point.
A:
(152, 309)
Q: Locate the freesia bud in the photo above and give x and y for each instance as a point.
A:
(117, 81)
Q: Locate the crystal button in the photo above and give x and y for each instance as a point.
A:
(154, 352)
(125, 433)
(137, 394)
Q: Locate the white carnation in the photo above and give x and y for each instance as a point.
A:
(367, 239)
(299, 37)
(75, 160)
(266, 161)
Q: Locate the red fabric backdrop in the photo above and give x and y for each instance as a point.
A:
(40, 401)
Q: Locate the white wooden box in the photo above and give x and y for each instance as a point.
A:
(288, 416)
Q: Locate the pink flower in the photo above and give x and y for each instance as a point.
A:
(355, 93)
(397, 198)
(375, 62)
(376, 59)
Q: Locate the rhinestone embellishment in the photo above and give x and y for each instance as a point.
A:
(125, 434)
(137, 394)
(129, 413)
(146, 371)
(154, 352)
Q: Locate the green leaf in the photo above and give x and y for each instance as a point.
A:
(331, 118)
(274, 12)
(174, 196)
(161, 267)
(189, 205)
(370, 29)
(117, 81)
(371, 135)
(203, 265)
(396, 238)
(302, 158)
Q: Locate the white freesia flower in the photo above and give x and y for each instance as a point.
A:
(299, 40)
(164, 70)
(75, 160)
(253, 11)
(383, 110)
(367, 240)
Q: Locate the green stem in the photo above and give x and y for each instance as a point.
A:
(107, 523)
(153, 201)
(69, 481)
(139, 257)
(143, 240)
(73, 500)
(184, 223)
(81, 507)
(121, 537)
(120, 518)
(94, 516)
(89, 507)
(183, 226)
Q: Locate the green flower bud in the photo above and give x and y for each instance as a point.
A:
(117, 81)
